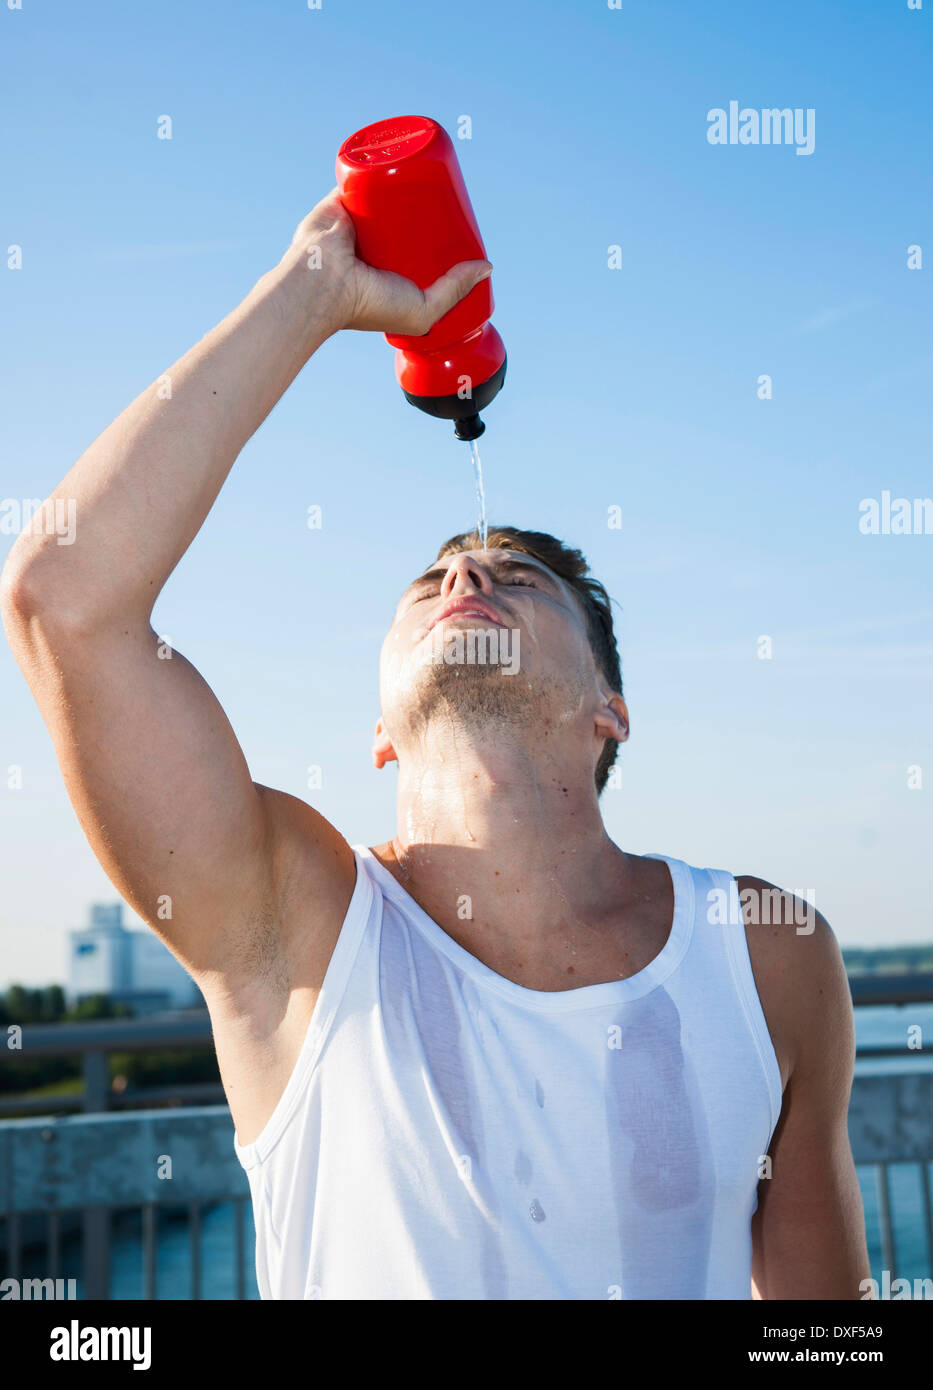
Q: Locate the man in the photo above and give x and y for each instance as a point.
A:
(496, 1057)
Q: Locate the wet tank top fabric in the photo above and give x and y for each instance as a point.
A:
(449, 1134)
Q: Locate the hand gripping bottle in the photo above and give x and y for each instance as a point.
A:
(401, 184)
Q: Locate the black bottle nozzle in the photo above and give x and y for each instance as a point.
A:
(464, 412)
(470, 428)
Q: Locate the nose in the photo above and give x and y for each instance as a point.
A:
(465, 575)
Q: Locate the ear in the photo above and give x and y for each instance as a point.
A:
(383, 752)
(612, 718)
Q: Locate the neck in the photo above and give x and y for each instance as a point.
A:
(516, 830)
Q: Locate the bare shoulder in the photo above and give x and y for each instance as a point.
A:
(800, 977)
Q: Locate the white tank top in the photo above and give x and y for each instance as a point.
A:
(449, 1134)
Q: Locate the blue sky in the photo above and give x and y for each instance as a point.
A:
(634, 387)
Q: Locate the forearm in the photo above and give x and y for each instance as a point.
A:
(142, 490)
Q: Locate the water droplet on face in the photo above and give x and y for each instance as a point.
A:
(539, 1093)
(537, 1211)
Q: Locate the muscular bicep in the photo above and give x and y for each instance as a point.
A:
(808, 1233)
(159, 784)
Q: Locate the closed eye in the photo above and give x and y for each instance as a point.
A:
(507, 572)
(425, 590)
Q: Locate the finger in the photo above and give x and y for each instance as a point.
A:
(323, 216)
(455, 285)
(332, 205)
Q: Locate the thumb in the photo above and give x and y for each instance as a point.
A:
(455, 285)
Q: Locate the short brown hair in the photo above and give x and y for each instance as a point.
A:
(571, 566)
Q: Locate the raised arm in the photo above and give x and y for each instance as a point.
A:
(151, 764)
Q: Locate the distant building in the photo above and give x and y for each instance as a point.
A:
(132, 967)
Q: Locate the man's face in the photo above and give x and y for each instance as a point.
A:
(486, 635)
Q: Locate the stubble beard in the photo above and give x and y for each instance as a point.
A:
(477, 698)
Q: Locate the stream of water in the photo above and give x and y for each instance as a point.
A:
(480, 492)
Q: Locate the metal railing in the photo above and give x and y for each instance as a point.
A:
(96, 1165)
(94, 1042)
(905, 987)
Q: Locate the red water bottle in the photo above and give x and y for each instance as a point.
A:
(401, 184)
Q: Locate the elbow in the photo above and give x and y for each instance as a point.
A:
(47, 608)
(22, 601)
(18, 590)
(33, 597)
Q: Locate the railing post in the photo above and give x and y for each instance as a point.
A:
(96, 1080)
(884, 1217)
(96, 1222)
(150, 1235)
